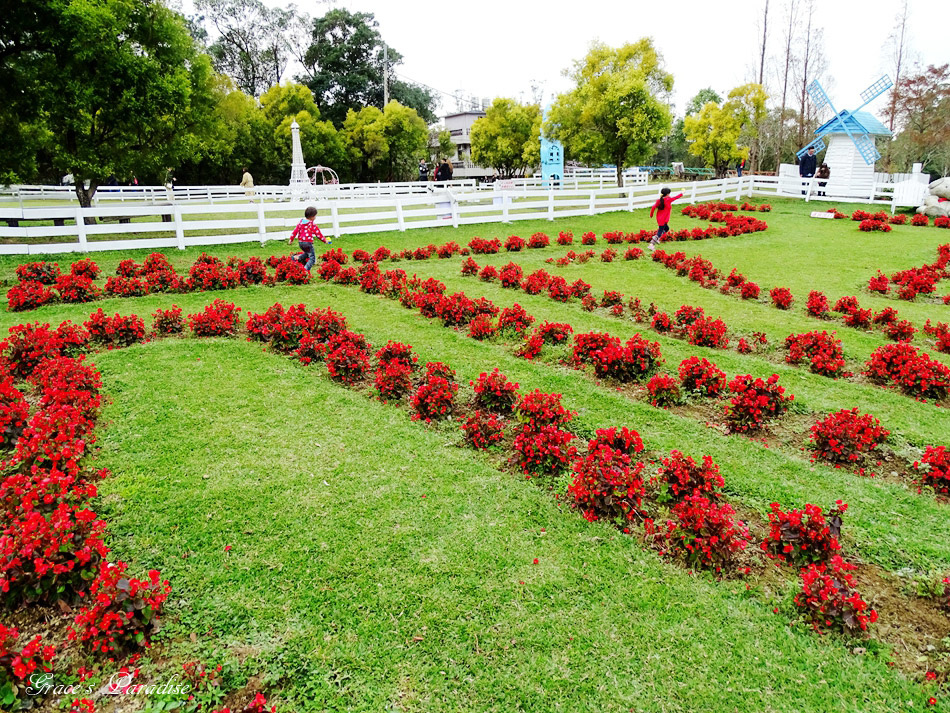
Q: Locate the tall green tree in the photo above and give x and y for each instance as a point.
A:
(713, 134)
(367, 145)
(614, 113)
(116, 85)
(440, 143)
(407, 136)
(344, 67)
(508, 137)
(250, 46)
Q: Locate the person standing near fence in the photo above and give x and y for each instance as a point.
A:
(807, 165)
(423, 170)
(824, 173)
(247, 182)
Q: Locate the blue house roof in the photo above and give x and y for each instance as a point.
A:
(860, 122)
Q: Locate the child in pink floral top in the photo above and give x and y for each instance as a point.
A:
(305, 232)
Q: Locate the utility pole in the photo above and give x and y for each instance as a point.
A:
(385, 75)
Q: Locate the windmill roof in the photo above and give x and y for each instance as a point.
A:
(860, 122)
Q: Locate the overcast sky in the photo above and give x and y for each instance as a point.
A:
(492, 48)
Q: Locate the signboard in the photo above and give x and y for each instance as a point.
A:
(822, 214)
(507, 184)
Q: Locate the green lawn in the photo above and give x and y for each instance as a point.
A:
(375, 565)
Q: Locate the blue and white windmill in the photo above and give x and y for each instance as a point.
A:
(849, 138)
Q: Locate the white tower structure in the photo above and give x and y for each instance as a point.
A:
(298, 169)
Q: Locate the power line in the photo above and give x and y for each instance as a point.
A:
(473, 103)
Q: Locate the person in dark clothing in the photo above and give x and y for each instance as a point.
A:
(824, 173)
(445, 171)
(808, 164)
(423, 170)
(739, 167)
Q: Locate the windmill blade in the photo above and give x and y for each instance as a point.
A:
(818, 144)
(874, 91)
(819, 99)
(867, 149)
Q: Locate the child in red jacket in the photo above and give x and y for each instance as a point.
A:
(305, 232)
(663, 208)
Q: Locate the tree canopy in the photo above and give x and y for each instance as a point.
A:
(614, 114)
(508, 137)
(722, 135)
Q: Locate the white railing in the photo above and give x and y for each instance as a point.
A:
(905, 194)
(158, 195)
(190, 224)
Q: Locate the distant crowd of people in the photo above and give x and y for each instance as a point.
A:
(440, 171)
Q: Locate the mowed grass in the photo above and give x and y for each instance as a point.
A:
(375, 565)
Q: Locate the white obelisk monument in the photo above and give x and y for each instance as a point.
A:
(299, 183)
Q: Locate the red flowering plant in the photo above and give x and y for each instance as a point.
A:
(588, 303)
(755, 402)
(545, 451)
(330, 269)
(846, 436)
(900, 331)
(906, 367)
(687, 315)
(846, 304)
(514, 244)
(27, 345)
(579, 288)
(443, 251)
(749, 290)
(538, 410)
(456, 310)
(607, 485)
(941, 221)
(510, 276)
(537, 282)
(514, 319)
(14, 411)
(554, 332)
(933, 468)
(261, 326)
(488, 273)
(802, 537)
(704, 533)
(206, 275)
(920, 220)
(292, 272)
(42, 272)
(115, 331)
(289, 327)
(859, 318)
(941, 334)
(484, 247)
(817, 304)
(611, 298)
(18, 667)
(860, 215)
(482, 430)
(481, 327)
(608, 255)
(494, 393)
(706, 332)
(77, 288)
(29, 295)
(126, 287)
(624, 439)
(617, 310)
(898, 219)
(434, 399)
(347, 357)
(879, 283)
(122, 612)
(823, 351)
(251, 271)
(539, 240)
(397, 352)
(219, 319)
(662, 323)
(872, 225)
(781, 297)
(565, 237)
(393, 380)
(700, 376)
(664, 390)
(559, 290)
(633, 254)
(469, 267)
(828, 598)
(735, 278)
(336, 255)
(588, 238)
(680, 476)
(168, 321)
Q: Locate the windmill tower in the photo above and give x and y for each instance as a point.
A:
(552, 159)
(299, 181)
(848, 136)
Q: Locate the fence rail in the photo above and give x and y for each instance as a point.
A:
(126, 226)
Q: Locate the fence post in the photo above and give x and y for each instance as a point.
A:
(593, 203)
(399, 217)
(722, 190)
(505, 202)
(692, 195)
(335, 219)
(739, 188)
(261, 223)
(550, 205)
(179, 227)
(630, 198)
(455, 212)
(81, 229)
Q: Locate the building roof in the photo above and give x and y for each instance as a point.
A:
(476, 112)
(861, 122)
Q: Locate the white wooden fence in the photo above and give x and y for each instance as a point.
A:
(192, 224)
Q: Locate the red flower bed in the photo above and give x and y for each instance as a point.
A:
(554, 332)
(126, 287)
(822, 350)
(42, 272)
(847, 304)
(755, 403)
(661, 322)
(559, 290)
(702, 377)
(514, 244)
(290, 271)
(484, 247)
(704, 533)
(902, 331)
(77, 288)
(607, 485)
(29, 295)
(510, 276)
(871, 225)
(482, 430)
(205, 275)
(687, 315)
(749, 290)
(393, 380)
(781, 297)
(846, 436)
(543, 452)
(20, 687)
(920, 220)
(469, 267)
(565, 237)
(168, 321)
(860, 215)
(85, 268)
(494, 393)
(611, 298)
(588, 238)
(347, 358)
(123, 612)
(829, 599)
(608, 255)
(682, 477)
(817, 304)
(115, 331)
(664, 390)
(934, 469)
(481, 327)
(858, 319)
(331, 268)
(910, 370)
(536, 283)
(515, 319)
(706, 332)
(897, 220)
(219, 319)
(879, 283)
(538, 410)
(539, 240)
(633, 254)
(488, 273)
(624, 440)
(802, 537)
(941, 221)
